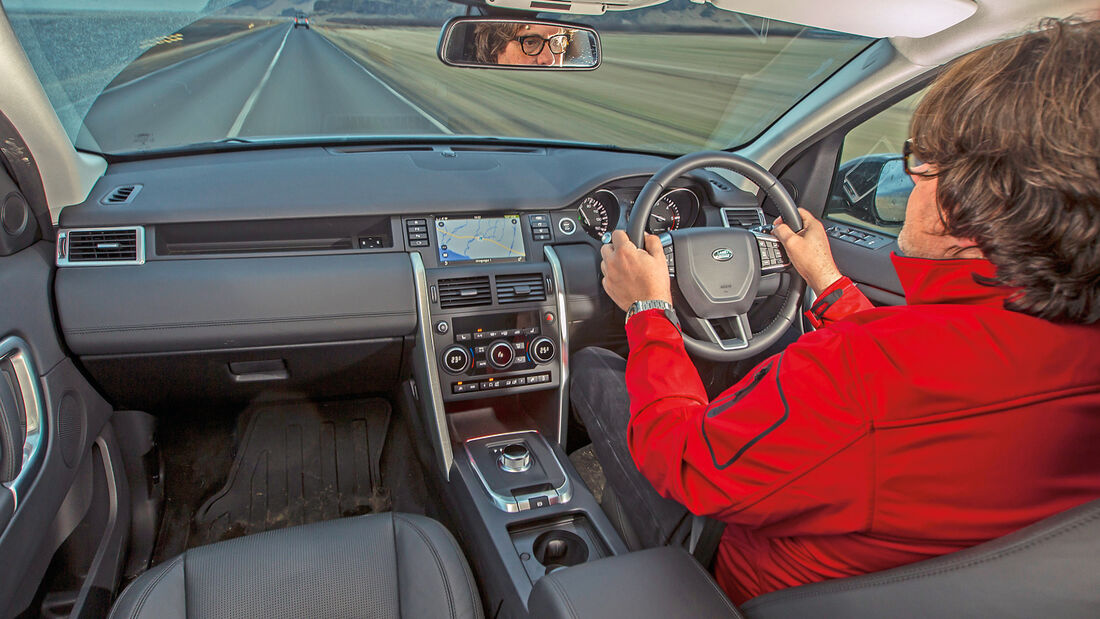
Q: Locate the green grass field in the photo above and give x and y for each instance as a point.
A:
(673, 92)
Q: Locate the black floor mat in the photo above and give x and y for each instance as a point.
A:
(298, 464)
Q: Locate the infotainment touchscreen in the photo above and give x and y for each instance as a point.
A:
(479, 239)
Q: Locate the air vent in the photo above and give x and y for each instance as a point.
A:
(742, 217)
(719, 185)
(464, 292)
(520, 288)
(101, 246)
(121, 195)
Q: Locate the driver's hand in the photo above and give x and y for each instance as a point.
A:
(809, 251)
(633, 274)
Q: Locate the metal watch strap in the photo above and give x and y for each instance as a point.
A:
(641, 306)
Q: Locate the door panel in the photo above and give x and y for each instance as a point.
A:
(74, 481)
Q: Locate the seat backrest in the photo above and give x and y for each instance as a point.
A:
(1049, 569)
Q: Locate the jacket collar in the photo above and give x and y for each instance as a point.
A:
(928, 281)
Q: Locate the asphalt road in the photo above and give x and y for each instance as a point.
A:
(279, 81)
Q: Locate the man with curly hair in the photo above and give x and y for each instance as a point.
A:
(892, 434)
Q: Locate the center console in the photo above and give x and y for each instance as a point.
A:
(491, 372)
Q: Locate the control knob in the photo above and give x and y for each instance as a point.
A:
(515, 458)
(542, 350)
(456, 359)
(501, 354)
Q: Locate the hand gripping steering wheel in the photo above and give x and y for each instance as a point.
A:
(718, 271)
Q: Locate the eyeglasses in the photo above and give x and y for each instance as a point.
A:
(532, 44)
(913, 160)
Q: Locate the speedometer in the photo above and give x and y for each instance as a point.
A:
(595, 213)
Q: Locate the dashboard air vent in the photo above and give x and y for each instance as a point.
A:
(749, 217)
(105, 246)
(121, 195)
(520, 288)
(464, 292)
(719, 185)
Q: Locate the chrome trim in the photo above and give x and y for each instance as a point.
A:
(63, 249)
(563, 342)
(759, 213)
(425, 342)
(562, 494)
(17, 351)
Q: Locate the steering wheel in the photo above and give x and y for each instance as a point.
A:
(719, 272)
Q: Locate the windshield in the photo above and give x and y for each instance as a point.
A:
(147, 75)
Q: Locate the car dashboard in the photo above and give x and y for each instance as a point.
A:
(220, 276)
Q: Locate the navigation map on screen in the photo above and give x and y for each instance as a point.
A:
(479, 239)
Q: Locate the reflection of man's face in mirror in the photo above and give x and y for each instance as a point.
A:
(522, 48)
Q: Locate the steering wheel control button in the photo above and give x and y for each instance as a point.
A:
(567, 226)
(542, 350)
(501, 354)
(442, 327)
(456, 359)
(515, 458)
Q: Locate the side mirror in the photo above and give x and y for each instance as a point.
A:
(874, 188)
(489, 42)
(892, 192)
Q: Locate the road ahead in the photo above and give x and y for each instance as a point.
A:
(279, 81)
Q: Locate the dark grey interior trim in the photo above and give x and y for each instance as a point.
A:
(180, 305)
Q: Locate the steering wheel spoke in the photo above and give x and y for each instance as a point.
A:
(728, 333)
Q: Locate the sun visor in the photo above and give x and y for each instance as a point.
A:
(869, 18)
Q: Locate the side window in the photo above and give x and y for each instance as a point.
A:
(871, 187)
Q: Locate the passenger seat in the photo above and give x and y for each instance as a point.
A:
(379, 565)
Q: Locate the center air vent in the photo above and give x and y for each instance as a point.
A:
(520, 288)
(121, 195)
(102, 246)
(464, 292)
(748, 217)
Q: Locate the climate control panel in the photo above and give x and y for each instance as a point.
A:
(509, 351)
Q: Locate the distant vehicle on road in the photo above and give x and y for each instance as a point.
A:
(301, 20)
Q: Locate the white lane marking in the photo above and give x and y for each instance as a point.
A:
(174, 65)
(235, 130)
(415, 107)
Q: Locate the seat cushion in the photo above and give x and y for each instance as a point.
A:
(380, 565)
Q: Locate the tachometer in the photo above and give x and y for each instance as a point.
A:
(595, 213)
(664, 216)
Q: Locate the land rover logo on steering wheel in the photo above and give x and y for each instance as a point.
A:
(721, 254)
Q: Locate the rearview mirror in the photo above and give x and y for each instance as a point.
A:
(488, 42)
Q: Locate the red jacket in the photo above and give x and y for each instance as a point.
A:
(887, 436)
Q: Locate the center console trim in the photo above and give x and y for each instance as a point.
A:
(563, 330)
(425, 343)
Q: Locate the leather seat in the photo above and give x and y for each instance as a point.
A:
(380, 565)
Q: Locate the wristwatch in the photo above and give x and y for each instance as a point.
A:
(641, 306)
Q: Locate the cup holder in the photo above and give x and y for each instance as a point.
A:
(557, 549)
